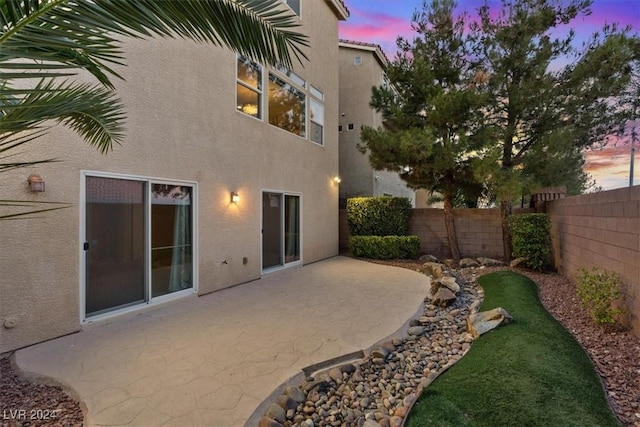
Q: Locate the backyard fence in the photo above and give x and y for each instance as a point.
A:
(591, 230)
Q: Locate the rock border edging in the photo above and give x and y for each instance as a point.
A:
(361, 391)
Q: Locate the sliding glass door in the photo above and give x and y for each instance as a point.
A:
(291, 228)
(115, 244)
(138, 242)
(171, 235)
(280, 229)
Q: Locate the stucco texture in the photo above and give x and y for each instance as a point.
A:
(182, 125)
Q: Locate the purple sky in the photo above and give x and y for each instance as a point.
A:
(382, 21)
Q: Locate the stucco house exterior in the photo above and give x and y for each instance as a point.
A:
(226, 174)
(362, 67)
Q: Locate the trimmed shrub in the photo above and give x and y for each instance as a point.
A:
(385, 247)
(531, 239)
(378, 216)
(598, 290)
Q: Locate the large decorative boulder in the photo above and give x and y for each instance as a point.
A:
(443, 298)
(432, 269)
(447, 282)
(450, 283)
(484, 321)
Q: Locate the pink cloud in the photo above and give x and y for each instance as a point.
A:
(610, 156)
(376, 27)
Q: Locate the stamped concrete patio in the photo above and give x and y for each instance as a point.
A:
(211, 360)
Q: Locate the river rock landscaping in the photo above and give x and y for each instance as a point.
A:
(380, 389)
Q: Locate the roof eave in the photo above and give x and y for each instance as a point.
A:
(375, 49)
(338, 7)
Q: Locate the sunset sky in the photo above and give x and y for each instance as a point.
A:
(382, 21)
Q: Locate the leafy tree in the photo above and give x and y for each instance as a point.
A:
(44, 43)
(529, 102)
(431, 109)
(556, 162)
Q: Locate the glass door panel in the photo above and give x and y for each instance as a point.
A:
(280, 229)
(171, 239)
(291, 228)
(271, 230)
(115, 245)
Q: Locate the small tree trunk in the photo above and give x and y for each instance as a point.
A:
(450, 226)
(505, 213)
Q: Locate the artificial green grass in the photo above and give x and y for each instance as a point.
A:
(531, 372)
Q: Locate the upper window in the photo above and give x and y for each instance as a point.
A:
(294, 5)
(249, 88)
(317, 116)
(316, 92)
(286, 99)
(293, 77)
(287, 106)
(357, 60)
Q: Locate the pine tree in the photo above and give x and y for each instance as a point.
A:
(432, 111)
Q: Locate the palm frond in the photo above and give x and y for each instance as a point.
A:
(70, 35)
(94, 112)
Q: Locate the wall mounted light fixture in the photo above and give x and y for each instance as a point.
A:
(337, 179)
(235, 197)
(36, 183)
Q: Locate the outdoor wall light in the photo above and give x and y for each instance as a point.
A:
(36, 183)
(235, 197)
(337, 179)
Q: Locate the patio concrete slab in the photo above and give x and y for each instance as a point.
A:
(211, 360)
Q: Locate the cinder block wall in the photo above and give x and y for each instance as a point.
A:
(479, 231)
(601, 230)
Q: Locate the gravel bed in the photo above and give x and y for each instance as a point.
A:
(614, 352)
(24, 403)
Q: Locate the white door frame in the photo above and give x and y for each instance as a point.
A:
(83, 238)
(284, 264)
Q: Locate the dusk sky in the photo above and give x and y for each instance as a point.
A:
(382, 21)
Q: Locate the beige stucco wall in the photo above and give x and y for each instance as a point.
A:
(356, 81)
(182, 125)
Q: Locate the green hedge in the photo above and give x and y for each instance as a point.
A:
(378, 216)
(531, 239)
(385, 247)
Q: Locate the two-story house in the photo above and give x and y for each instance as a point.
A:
(226, 174)
(362, 66)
